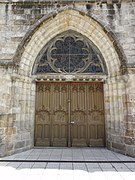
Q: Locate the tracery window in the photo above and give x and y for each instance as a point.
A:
(69, 53)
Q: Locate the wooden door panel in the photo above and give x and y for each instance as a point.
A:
(78, 115)
(60, 115)
(95, 109)
(39, 130)
(59, 135)
(43, 115)
(92, 132)
(100, 131)
(79, 136)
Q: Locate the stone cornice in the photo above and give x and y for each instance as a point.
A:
(129, 69)
(8, 64)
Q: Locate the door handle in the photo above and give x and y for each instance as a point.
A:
(72, 122)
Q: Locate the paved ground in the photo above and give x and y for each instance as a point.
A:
(70, 163)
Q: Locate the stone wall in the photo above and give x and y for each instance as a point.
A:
(16, 112)
(21, 38)
(18, 17)
(120, 121)
(6, 116)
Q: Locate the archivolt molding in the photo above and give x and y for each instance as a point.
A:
(69, 19)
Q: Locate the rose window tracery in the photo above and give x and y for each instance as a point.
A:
(69, 53)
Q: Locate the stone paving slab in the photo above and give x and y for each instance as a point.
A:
(60, 171)
(69, 154)
(70, 170)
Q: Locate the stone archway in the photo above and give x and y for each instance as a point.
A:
(69, 112)
(70, 19)
(45, 30)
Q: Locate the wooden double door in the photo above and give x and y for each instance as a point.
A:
(69, 114)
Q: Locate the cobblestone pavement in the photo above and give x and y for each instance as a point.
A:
(68, 163)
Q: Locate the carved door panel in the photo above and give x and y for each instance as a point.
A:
(60, 114)
(43, 115)
(95, 107)
(78, 114)
(51, 114)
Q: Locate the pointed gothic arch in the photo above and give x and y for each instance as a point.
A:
(69, 19)
(47, 29)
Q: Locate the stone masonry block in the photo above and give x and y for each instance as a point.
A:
(19, 144)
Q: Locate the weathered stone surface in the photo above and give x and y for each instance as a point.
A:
(118, 146)
(20, 144)
(26, 27)
(17, 18)
(130, 150)
(129, 140)
(2, 149)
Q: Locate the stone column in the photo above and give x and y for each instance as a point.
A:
(114, 109)
(129, 121)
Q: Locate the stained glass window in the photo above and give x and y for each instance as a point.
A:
(69, 53)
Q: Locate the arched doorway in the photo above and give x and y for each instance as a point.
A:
(69, 104)
(42, 33)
